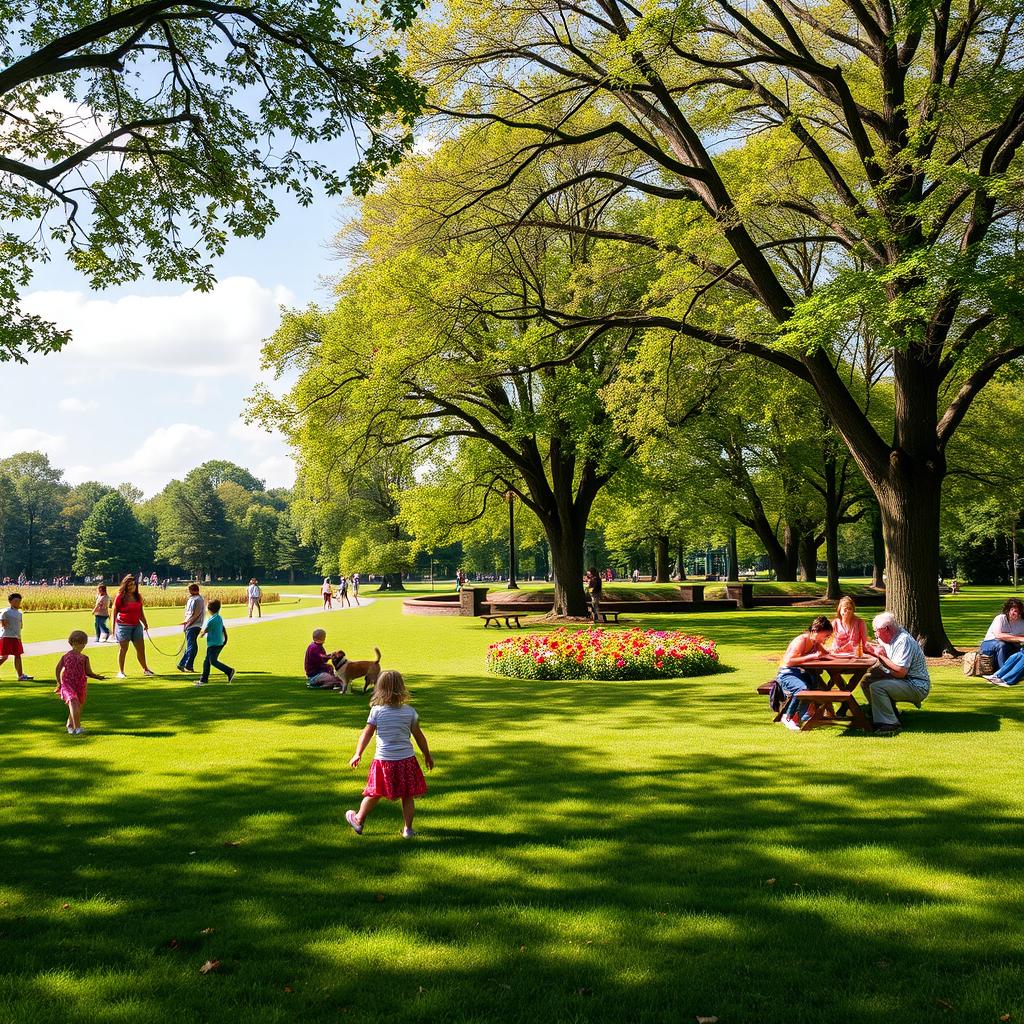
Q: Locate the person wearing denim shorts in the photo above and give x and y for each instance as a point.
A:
(130, 624)
(793, 675)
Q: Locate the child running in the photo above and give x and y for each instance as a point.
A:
(216, 639)
(395, 774)
(10, 635)
(72, 671)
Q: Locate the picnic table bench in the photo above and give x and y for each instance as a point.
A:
(839, 680)
(610, 616)
(496, 618)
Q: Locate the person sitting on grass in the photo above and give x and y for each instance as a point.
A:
(319, 667)
(1006, 634)
(793, 676)
(901, 673)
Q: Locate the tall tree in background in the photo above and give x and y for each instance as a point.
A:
(141, 135)
(192, 526)
(880, 143)
(40, 489)
(112, 541)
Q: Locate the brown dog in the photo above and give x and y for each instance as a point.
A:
(348, 670)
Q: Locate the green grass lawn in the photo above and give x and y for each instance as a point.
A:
(620, 852)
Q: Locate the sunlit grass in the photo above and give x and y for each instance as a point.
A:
(622, 851)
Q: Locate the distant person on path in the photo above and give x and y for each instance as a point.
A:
(10, 636)
(1006, 634)
(954, 586)
(130, 624)
(794, 672)
(325, 590)
(592, 580)
(849, 631)
(355, 587)
(72, 671)
(216, 640)
(101, 613)
(395, 774)
(901, 673)
(195, 612)
(255, 598)
(343, 593)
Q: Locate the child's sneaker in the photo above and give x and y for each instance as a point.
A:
(791, 724)
(148, 673)
(350, 817)
(25, 679)
(407, 833)
(231, 674)
(200, 682)
(79, 732)
(121, 675)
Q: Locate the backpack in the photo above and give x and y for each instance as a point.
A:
(777, 696)
(977, 664)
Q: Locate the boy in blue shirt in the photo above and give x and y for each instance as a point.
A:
(216, 639)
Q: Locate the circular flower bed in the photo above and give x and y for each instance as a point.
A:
(602, 654)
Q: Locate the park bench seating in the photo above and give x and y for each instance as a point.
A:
(610, 616)
(497, 617)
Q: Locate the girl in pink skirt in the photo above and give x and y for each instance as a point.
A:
(72, 671)
(395, 773)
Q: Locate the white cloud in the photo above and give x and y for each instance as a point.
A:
(277, 471)
(75, 405)
(194, 334)
(28, 439)
(166, 453)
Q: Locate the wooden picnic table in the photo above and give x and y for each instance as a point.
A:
(840, 677)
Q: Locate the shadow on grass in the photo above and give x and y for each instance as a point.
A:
(545, 885)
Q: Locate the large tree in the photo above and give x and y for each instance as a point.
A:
(142, 134)
(112, 541)
(839, 172)
(432, 346)
(40, 490)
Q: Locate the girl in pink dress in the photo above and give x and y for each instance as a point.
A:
(72, 671)
(395, 773)
(849, 634)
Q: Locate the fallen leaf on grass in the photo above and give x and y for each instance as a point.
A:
(1004, 1018)
(380, 897)
(64, 906)
(944, 1004)
(883, 964)
(288, 988)
(707, 1020)
(206, 931)
(210, 965)
(772, 881)
(232, 842)
(585, 991)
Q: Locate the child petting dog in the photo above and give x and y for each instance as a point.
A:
(395, 774)
(334, 671)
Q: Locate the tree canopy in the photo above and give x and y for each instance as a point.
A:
(141, 135)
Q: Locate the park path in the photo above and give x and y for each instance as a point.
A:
(60, 646)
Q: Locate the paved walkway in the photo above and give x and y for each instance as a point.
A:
(60, 646)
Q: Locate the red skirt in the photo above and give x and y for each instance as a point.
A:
(395, 779)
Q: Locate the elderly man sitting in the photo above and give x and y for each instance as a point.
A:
(320, 666)
(901, 673)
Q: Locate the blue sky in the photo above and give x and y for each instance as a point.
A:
(156, 376)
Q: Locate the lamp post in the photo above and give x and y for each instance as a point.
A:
(511, 499)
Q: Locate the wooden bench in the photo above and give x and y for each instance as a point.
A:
(496, 618)
(610, 616)
(822, 711)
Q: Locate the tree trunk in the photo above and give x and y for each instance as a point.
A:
(808, 554)
(661, 559)
(784, 557)
(832, 589)
(909, 504)
(733, 569)
(567, 567)
(680, 563)
(878, 549)
(392, 581)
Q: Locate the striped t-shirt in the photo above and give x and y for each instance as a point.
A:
(394, 724)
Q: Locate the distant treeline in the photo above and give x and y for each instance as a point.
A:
(219, 520)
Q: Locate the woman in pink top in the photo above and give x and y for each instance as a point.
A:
(849, 634)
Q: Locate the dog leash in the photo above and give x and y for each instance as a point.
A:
(153, 644)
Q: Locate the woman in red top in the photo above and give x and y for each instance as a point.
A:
(129, 624)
